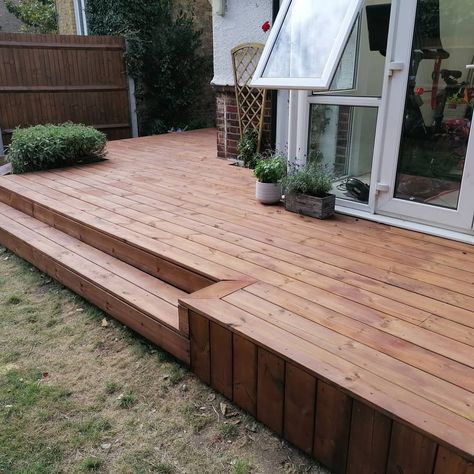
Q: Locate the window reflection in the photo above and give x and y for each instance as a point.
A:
(306, 40)
(439, 103)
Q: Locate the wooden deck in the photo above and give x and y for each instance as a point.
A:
(353, 340)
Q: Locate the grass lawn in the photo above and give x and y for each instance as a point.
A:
(81, 393)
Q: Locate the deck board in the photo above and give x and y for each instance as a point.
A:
(384, 313)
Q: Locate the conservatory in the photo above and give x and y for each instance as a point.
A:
(381, 93)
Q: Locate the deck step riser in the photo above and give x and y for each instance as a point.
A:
(159, 334)
(323, 420)
(163, 269)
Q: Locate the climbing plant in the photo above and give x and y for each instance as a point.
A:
(37, 16)
(162, 56)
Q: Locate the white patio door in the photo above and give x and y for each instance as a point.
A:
(427, 162)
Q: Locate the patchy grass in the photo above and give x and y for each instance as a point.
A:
(77, 397)
(242, 466)
(228, 431)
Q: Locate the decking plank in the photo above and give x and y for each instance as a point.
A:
(158, 190)
(461, 315)
(363, 331)
(379, 314)
(426, 416)
(459, 401)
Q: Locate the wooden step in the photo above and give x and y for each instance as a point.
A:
(144, 303)
(180, 268)
(353, 409)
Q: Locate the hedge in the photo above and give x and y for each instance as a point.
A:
(53, 146)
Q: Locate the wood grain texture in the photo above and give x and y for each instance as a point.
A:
(332, 427)
(384, 315)
(369, 440)
(448, 462)
(410, 452)
(270, 390)
(245, 374)
(63, 79)
(300, 403)
(221, 359)
(46, 255)
(199, 333)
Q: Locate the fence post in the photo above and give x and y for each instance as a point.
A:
(133, 106)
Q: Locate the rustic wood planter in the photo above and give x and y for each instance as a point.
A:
(312, 206)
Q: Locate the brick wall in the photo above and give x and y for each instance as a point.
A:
(227, 122)
(66, 17)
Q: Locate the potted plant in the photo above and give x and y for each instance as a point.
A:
(269, 173)
(307, 192)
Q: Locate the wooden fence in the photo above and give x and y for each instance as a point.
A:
(59, 78)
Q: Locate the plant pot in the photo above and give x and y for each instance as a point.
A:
(268, 193)
(312, 206)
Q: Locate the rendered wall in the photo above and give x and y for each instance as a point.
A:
(66, 17)
(242, 23)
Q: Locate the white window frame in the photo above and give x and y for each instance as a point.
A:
(315, 84)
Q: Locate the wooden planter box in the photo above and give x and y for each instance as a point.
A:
(321, 208)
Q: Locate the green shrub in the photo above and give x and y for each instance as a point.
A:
(270, 170)
(163, 55)
(37, 16)
(52, 146)
(313, 180)
(247, 148)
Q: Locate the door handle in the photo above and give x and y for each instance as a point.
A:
(469, 66)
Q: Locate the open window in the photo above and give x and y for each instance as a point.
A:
(306, 44)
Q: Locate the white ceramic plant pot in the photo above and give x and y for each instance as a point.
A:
(268, 193)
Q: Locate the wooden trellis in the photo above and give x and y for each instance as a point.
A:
(250, 101)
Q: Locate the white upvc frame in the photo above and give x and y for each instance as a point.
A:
(298, 123)
(299, 128)
(461, 218)
(314, 84)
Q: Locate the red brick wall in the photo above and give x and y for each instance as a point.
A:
(227, 122)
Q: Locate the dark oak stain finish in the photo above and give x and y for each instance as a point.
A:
(221, 359)
(270, 390)
(410, 452)
(245, 374)
(200, 351)
(300, 403)
(369, 440)
(331, 439)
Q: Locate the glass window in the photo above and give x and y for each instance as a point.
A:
(360, 71)
(305, 47)
(439, 105)
(342, 139)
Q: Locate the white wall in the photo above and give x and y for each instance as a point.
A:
(241, 23)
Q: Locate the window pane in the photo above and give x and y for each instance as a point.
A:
(361, 69)
(342, 139)
(438, 107)
(307, 38)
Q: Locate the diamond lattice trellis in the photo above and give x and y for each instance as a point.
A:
(250, 101)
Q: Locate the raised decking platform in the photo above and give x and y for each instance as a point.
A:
(353, 340)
